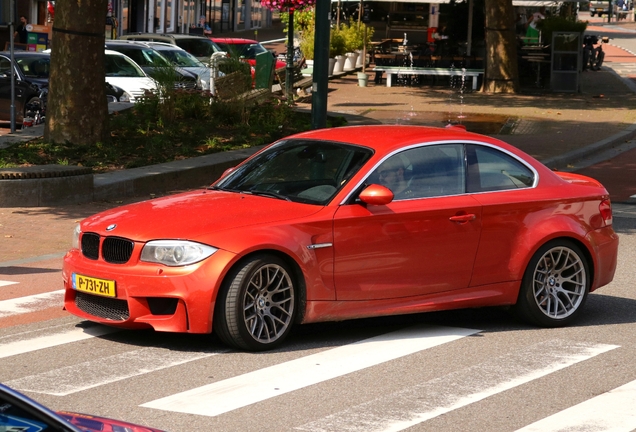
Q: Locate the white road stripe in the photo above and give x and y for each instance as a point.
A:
(5, 283)
(433, 398)
(612, 411)
(243, 390)
(32, 303)
(90, 374)
(20, 345)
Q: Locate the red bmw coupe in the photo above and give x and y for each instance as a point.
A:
(345, 223)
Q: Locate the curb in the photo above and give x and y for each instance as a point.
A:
(166, 177)
(599, 146)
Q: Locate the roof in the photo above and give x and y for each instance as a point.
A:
(167, 35)
(388, 137)
(234, 40)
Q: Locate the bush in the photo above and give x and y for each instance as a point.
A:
(148, 133)
(553, 24)
(337, 42)
(354, 35)
(307, 43)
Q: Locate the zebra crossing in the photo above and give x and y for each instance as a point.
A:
(623, 69)
(410, 406)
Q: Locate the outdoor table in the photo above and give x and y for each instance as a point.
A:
(398, 70)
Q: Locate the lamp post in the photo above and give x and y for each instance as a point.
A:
(11, 50)
(289, 6)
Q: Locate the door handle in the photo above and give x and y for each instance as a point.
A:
(463, 218)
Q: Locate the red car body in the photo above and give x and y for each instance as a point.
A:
(357, 254)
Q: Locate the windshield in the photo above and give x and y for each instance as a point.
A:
(120, 66)
(181, 58)
(306, 171)
(35, 66)
(247, 50)
(143, 57)
(198, 47)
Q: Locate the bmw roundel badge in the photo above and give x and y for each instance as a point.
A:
(111, 227)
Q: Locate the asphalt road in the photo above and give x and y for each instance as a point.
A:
(452, 371)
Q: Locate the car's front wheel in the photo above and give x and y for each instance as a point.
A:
(256, 306)
(555, 285)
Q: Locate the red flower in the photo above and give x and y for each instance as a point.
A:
(287, 4)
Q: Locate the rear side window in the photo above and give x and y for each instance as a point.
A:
(490, 169)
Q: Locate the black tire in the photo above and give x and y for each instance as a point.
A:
(555, 285)
(34, 101)
(256, 306)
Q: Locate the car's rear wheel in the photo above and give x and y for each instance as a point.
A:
(555, 285)
(256, 306)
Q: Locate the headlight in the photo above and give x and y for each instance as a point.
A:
(125, 97)
(202, 84)
(75, 244)
(175, 253)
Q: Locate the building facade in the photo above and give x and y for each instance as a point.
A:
(154, 16)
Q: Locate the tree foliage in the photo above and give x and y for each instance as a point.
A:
(77, 111)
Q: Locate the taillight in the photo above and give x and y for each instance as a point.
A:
(605, 208)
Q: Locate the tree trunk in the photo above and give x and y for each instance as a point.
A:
(77, 110)
(502, 72)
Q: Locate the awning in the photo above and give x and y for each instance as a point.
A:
(528, 3)
(394, 1)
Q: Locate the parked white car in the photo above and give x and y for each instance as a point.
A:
(124, 73)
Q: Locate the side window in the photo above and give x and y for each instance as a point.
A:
(427, 171)
(15, 417)
(5, 66)
(492, 170)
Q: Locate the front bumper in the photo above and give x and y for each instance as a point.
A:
(171, 299)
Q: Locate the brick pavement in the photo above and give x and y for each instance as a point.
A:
(546, 125)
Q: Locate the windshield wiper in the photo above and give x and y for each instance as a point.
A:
(268, 194)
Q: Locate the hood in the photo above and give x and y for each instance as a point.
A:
(183, 72)
(202, 73)
(134, 86)
(90, 423)
(194, 216)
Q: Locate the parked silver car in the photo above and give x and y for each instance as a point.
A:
(184, 61)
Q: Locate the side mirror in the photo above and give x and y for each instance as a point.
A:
(376, 194)
(226, 172)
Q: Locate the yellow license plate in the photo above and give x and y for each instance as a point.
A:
(95, 286)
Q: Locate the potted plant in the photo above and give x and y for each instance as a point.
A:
(307, 45)
(337, 49)
(353, 44)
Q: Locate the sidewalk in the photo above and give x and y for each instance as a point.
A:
(556, 128)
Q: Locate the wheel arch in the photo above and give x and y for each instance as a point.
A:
(293, 265)
(583, 246)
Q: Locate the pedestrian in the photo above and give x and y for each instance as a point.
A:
(204, 25)
(392, 175)
(533, 33)
(20, 34)
(522, 21)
